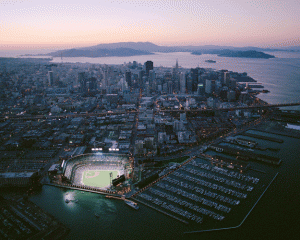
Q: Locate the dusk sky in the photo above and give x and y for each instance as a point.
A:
(57, 23)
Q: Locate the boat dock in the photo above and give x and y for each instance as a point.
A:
(282, 133)
(119, 198)
(211, 230)
(272, 139)
(245, 154)
(172, 216)
(114, 197)
(257, 170)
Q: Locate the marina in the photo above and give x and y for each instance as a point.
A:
(203, 194)
(245, 154)
(210, 230)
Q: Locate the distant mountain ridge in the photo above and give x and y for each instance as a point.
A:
(146, 48)
(141, 46)
(98, 52)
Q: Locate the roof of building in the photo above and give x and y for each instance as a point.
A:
(16, 175)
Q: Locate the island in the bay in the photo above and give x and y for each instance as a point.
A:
(232, 53)
(245, 54)
(125, 49)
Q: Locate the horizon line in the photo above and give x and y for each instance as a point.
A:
(66, 46)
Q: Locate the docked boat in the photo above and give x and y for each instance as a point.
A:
(67, 200)
(246, 142)
(97, 215)
(210, 61)
(132, 204)
(230, 166)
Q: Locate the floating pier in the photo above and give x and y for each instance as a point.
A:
(262, 137)
(172, 216)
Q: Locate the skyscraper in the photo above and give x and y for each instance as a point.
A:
(149, 66)
(50, 78)
(128, 78)
(141, 75)
(194, 76)
(82, 81)
(226, 78)
(182, 83)
(189, 84)
(152, 79)
(209, 86)
(91, 84)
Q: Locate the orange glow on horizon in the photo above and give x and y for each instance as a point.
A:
(36, 25)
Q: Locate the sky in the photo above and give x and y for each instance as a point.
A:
(37, 24)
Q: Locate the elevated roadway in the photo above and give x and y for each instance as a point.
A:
(233, 108)
(119, 112)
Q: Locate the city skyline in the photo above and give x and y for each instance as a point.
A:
(34, 25)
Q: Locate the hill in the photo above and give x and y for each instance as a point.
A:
(118, 52)
(145, 48)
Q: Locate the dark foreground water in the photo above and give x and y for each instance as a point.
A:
(276, 215)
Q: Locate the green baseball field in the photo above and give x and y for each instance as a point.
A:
(98, 178)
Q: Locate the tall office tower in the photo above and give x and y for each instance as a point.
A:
(170, 87)
(167, 77)
(149, 66)
(105, 78)
(82, 80)
(208, 86)
(222, 75)
(176, 84)
(50, 78)
(176, 66)
(194, 76)
(91, 84)
(176, 79)
(147, 88)
(182, 83)
(152, 79)
(189, 84)
(122, 83)
(152, 76)
(218, 85)
(226, 78)
(141, 75)
(128, 78)
(144, 80)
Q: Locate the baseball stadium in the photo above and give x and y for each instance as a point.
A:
(96, 169)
